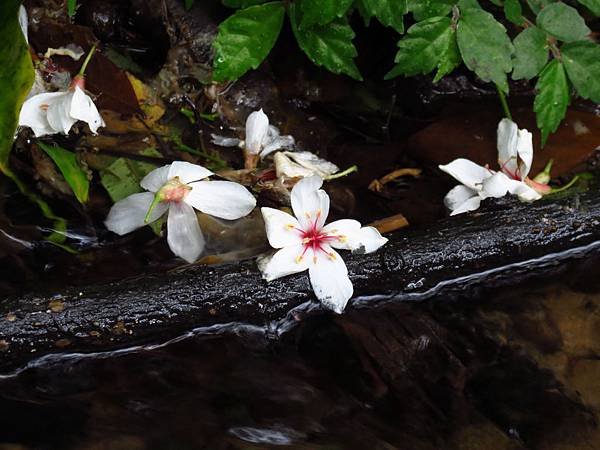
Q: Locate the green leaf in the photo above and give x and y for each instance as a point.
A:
(582, 61)
(450, 60)
(531, 53)
(66, 162)
(552, 98)
(188, 4)
(592, 5)
(537, 5)
(464, 4)
(241, 3)
(426, 9)
(514, 12)
(321, 12)
(329, 46)
(485, 47)
(425, 46)
(71, 7)
(245, 39)
(389, 12)
(563, 22)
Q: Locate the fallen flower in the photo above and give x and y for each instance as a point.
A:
(304, 243)
(261, 140)
(177, 189)
(302, 165)
(57, 112)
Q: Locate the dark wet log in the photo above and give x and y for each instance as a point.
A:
(446, 257)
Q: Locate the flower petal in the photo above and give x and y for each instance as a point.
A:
(310, 203)
(507, 147)
(283, 229)
(467, 172)
(366, 240)
(156, 179)
(84, 109)
(317, 165)
(24, 22)
(525, 152)
(223, 199)
(188, 172)
(457, 196)
(341, 230)
(257, 128)
(329, 280)
(285, 167)
(470, 205)
(523, 191)
(34, 113)
(128, 214)
(283, 263)
(183, 232)
(278, 143)
(495, 186)
(59, 113)
(224, 141)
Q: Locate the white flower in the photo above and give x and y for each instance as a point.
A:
(24, 22)
(262, 139)
(302, 165)
(515, 150)
(304, 243)
(177, 189)
(57, 112)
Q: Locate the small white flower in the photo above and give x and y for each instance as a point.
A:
(515, 150)
(261, 139)
(178, 189)
(56, 112)
(304, 243)
(302, 165)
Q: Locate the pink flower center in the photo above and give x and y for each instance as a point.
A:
(314, 239)
(174, 191)
(516, 175)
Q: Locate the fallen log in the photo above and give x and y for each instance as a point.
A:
(446, 257)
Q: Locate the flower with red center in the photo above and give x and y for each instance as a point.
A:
(177, 189)
(304, 243)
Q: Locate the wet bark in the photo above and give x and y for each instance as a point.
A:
(505, 242)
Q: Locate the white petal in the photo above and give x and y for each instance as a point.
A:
(24, 22)
(156, 179)
(257, 127)
(282, 229)
(329, 280)
(310, 203)
(283, 263)
(525, 152)
(128, 214)
(457, 196)
(366, 240)
(317, 165)
(507, 147)
(495, 186)
(224, 141)
(523, 191)
(34, 113)
(279, 143)
(341, 229)
(183, 232)
(285, 167)
(59, 113)
(467, 172)
(223, 199)
(84, 109)
(188, 172)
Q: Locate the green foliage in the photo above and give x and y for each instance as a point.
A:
(389, 12)
(322, 12)
(592, 5)
(71, 7)
(514, 12)
(426, 9)
(563, 22)
(188, 4)
(74, 175)
(329, 46)
(242, 3)
(428, 45)
(485, 47)
(245, 39)
(582, 61)
(537, 5)
(531, 53)
(552, 98)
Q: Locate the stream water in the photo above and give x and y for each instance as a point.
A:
(501, 369)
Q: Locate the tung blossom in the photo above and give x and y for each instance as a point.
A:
(177, 189)
(302, 165)
(515, 155)
(304, 243)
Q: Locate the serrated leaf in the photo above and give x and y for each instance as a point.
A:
(245, 39)
(426, 9)
(582, 61)
(70, 169)
(563, 22)
(423, 47)
(321, 12)
(513, 11)
(537, 5)
(71, 7)
(531, 53)
(241, 3)
(485, 47)
(592, 5)
(552, 98)
(329, 46)
(464, 4)
(450, 60)
(389, 12)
